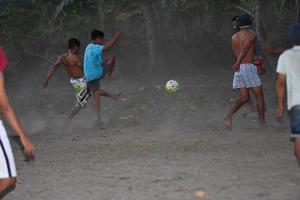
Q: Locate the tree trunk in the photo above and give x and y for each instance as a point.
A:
(152, 33)
(297, 10)
(101, 16)
(258, 11)
(260, 26)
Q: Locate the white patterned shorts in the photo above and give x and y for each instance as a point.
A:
(7, 161)
(82, 92)
(246, 77)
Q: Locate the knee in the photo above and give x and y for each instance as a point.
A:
(244, 99)
(10, 184)
(111, 60)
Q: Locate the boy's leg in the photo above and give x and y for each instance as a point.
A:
(110, 66)
(96, 100)
(109, 95)
(94, 87)
(6, 186)
(74, 111)
(297, 149)
(239, 102)
(260, 103)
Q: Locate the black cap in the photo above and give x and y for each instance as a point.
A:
(294, 34)
(244, 20)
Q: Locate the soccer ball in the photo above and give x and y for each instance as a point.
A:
(172, 86)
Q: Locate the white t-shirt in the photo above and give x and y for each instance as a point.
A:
(289, 64)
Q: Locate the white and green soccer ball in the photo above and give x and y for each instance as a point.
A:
(172, 86)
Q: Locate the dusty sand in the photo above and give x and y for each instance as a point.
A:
(157, 146)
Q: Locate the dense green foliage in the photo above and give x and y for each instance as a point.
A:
(32, 25)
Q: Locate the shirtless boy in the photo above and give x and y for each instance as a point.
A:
(73, 65)
(258, 61)
(246, 75)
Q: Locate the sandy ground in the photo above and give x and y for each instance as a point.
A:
(157, 145)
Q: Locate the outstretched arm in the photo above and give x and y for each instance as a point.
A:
(280, 91)
(113, 41)
(52, 71)
(271, 50)
(12, 119)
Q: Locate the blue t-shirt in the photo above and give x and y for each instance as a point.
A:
(93, 64)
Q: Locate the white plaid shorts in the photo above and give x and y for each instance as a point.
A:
(246, 77)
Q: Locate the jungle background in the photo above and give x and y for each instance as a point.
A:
(156, 145)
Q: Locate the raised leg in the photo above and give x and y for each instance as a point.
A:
(110, 66)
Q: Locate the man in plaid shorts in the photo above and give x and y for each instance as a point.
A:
(246, 75)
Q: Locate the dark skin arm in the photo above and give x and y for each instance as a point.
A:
(270, 50)
(52, 71)
(280, 91)
(113, 41)
(247, 44)
(12, 119)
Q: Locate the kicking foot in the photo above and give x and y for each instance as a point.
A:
(116, 96)
(228, 123)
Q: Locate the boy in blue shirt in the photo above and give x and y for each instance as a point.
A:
(95, 68)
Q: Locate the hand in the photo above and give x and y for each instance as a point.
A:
(118, 33)
(236, 67)
(28, 146)
(45, 84)
(267, 49)
(279, 114)
(261, 71)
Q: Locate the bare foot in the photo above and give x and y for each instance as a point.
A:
(228, 123)
(116, 96)
(262, 123)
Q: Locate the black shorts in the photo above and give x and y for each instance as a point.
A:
(295, 122)
(94, 85)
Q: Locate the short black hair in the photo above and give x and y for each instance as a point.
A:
(73, 42)
(97, 34)
(235, 18)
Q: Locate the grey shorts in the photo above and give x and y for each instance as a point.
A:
(94, 85)
(295, 122)
(246, 77)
